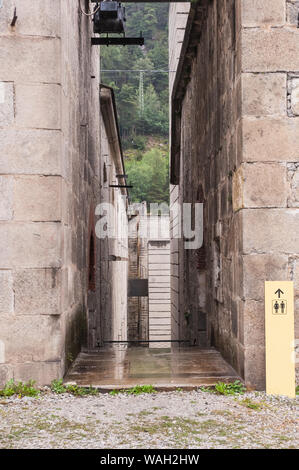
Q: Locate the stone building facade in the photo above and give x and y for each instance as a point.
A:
(138, 269)
(50, 185)
(234, 148)
(149, 259)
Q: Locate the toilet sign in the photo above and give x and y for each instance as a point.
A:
(280, 338)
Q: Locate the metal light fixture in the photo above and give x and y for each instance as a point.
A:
(110, 18)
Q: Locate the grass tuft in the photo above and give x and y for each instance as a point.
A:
(137, 390)
(58, 387)
(222, 388)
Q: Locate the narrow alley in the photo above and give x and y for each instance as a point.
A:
(149, 214)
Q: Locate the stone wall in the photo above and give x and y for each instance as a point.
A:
(110, 319)
(178, 15)
(208, 158)
(266, 181)
(234, 103)
(49, 171)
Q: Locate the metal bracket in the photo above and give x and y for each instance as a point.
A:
(122, 41)
(120, 186)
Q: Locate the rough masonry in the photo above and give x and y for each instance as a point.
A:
(50, 185)
(235, 148)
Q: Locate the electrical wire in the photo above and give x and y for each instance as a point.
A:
(88, 14)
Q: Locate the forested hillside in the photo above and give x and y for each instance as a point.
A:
(142, 98)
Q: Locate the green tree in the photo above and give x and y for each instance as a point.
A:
(127, 109)
(155, 117)
(149, 177)
(152, 20)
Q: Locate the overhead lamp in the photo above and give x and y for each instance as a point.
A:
(109, 18)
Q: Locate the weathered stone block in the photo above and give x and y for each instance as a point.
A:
(274, 230)
(6, 198)
(254, 370)
(160, 279)
(43, 373)
(265, 185)
(264, 94)
(26, 338)
(269, 139)
(295, 270)
(30, 245)
(165, 259)
(2, 352)
(270, 50)
(263, 12)
(5, 374)
(38, 18)
(293, 179)
(160, 321)
(30, 151)
(156, 337)
(38, 106)
(238, 189)
(37, 198)
(7, 113)
(294, 92)
(293, 12)
(38, 291)
(160, 307)
(6, 293)
(28, 59)
(257, 269)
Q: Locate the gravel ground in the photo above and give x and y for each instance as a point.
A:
(163, 420)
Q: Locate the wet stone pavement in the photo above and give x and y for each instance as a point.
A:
(121, 367)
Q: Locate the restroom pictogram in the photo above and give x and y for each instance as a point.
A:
(279, 307)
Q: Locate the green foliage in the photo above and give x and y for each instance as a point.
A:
(137, 390)
(148, 173)
(81, 391)
(21, 389)
(116, 392)
(152, 20)
(235, 388)
(138, 142)
(154, 119)
(149, 177)
(58, 387)
(297, 390)
(206, 389)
